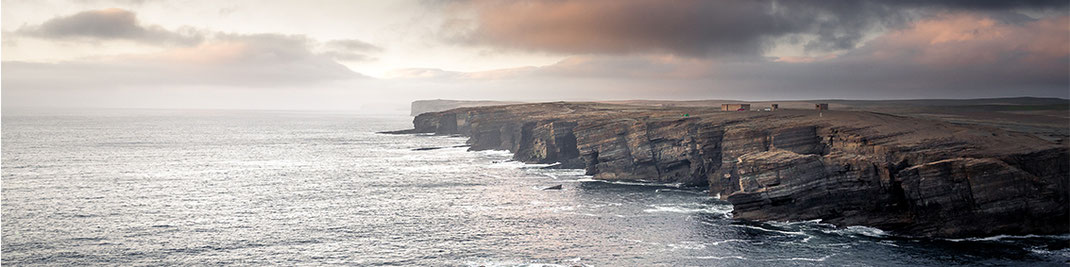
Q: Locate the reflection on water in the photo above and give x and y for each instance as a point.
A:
(160, 187)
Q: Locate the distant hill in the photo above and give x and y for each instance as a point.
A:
(435, 105)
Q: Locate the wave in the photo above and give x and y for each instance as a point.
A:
(497, 153)
(573, 262)
(829, 228)
(536, 165)
(560, 173)
(693, 208)
(562, 208)
(802, 259)
(1007, 238)
(507, 164)
(766, 260)
(718, 243)
(687, 246)
(693, 192)
(865, 230)
(857, 230)
(1060, 252)
(768, 230)
(638, 183)
(518, 263)
(719, 257)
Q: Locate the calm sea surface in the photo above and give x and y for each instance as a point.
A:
(147, 187)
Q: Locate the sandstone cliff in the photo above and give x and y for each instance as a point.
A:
(902, 174)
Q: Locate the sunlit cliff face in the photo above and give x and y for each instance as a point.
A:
(378, 56)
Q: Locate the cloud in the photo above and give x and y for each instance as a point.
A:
(440, 75)
(949, 55)
(352, 45)
(258, 60)
(648, 67)
(971, 5)
(108, 24)
(425, 73)
(350, 50)
(619, 27)
(971, 39)
(967, 53)
(689, 28)
(952, 55)
(196, 58)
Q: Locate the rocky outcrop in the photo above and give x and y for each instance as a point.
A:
(902, 174)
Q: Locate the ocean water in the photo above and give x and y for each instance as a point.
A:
(150, 187)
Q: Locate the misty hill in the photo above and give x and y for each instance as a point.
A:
(436, 105)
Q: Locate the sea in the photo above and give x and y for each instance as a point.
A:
(218, 187)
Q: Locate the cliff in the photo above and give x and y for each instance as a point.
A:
(907, 175)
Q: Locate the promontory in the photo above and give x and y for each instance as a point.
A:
(908, 175)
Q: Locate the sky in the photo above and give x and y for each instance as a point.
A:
(377, 56)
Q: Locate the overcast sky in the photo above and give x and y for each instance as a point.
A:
(376, 56)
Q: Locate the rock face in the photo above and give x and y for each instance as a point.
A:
(907, 175)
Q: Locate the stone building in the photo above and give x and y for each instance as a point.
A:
(735, 107)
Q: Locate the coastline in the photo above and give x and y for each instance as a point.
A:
(792, 166)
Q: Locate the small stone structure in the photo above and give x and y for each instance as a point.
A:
(822, 106)
(735, 107)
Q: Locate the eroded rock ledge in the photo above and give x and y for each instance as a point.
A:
(901, 174)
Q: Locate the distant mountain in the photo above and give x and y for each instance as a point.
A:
(435, 105)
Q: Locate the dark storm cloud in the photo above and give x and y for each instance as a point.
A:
(981, 4)
(693, 28)
(108, 24)
(952, 55)
(845, 79)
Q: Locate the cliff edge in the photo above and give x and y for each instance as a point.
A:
(907, 175)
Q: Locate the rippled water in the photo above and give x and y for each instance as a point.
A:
(252, 188)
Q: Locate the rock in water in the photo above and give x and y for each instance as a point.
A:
(906, 175)
(426, 148)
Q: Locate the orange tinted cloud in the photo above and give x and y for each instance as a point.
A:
(744, 28)
(956, 39)
(620, 27)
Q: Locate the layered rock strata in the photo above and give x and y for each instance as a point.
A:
(906, 175)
